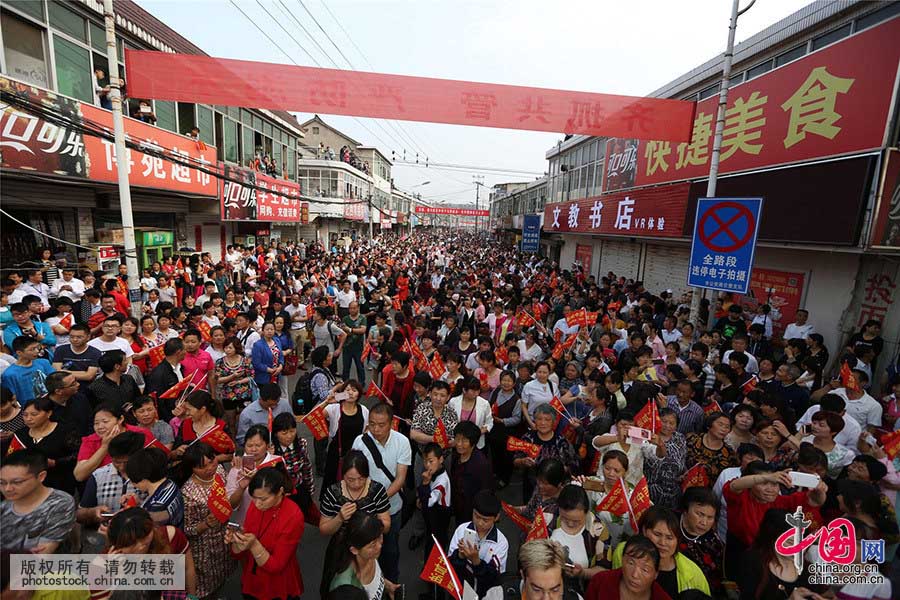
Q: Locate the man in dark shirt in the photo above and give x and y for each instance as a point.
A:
(70, 406)
(165, 375)
(77, 357)
(115, 386)
(470, 472)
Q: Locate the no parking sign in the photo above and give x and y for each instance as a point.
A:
(724, 243)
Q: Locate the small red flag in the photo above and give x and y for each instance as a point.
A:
(439, 571)
(437, 366)
(614, 502)
(514, 444)
(440, 435)
(396, 303)
(712, 407)
(155, 443)
(502, 354)
(749, 385)
(848, 379)
(557, 335)
(395, 425)
(538, 529)
(15, 445)
(640, 499)
(648, 417)
(367, 349)
(67, 321)
(176, 390)
(205, 331)
(218, 503)
(317, 422)
(310, 311)
(891, 444)
(232, 313)
(696, 476)
(495, 410)
(270, 420)
(157, 355)
(374, 390)
(591, 319)
(417, 308)
(516, 517)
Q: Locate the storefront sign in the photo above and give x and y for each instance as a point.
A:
(621, 164)
(336, 92)
(651, 212)
(887, 227)
(583, 255)
(354, 210)
(531, 233)
(241, 202)
(834, 101)
(782, 290)
(157, 238)
(459, 212)
(30, 143)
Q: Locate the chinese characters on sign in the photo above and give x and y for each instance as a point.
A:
(652, 212)
(833, 101)
(781, 290)
(308, 89)
(879, 295)
(135, 572)
(531, 233)
(278, 200)
(459, 212)
(621, 164)
(724, 243)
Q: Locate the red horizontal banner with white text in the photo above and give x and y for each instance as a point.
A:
(457, 212)
(650, 212)
(835, 101)
(277, 201)
(209, 80)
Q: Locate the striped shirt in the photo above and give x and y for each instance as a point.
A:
(374, 501)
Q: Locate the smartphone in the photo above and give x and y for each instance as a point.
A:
(470, 537)
(248, 463)
(870, 440)
(637, 435)
(233, 526)
(342, 396)
(658, 361)
(569, 565)
(804, 480)
(107, 515)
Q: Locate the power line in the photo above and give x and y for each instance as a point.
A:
(436, 165)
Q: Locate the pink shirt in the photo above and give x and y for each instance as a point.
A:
(201, 363)
(90, 444)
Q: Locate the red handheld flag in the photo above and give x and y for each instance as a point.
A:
(157, 355)
(155, 443)
(205, 331)
(179, 264)
(712, 407)
(516, 517)
(231, 314)
(440, 435)
(367, 349)
(218, 503)
(514, 444)
(219, 440)
(696, 476)
(614, 502)
(176, 390)
(439, 571)
(648, 417)
(15, 445)
(502, 354)
(396, 303)
(395, 425)
(891, 444)
(317, 422)
(848, 379)
(640, 499)
(67, 321)
(437, 366)
(749, 385)
(538, 529)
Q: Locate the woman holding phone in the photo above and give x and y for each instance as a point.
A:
(347, 419)
(256, 456)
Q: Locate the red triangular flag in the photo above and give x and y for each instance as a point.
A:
(749, 385)
(640, 499)
(367, 349)
(614, 502)
(218, 503)
(848, 379)
(891, 444)
(317, 422)
(15, 445)
(176, 390)
(648, 417)
(516, 517)
(440, 435)
(67, 321)
(437, 367)
(179, 264)
(696, 476)
(712, 407)
(155, 443)
(538, 529)
(374, 390)
(232, 313)
(502, 354)
(157, 355)
(439, 571)
(417, 308)
(205, 331)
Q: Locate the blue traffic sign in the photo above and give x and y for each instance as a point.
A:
(724, 243)
(531, 233)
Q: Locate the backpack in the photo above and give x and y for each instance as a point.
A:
(302, 399)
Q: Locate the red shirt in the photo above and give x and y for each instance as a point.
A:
(90, 444)
(605, 585)
(745, 513)
(201, 363)
(279, 531)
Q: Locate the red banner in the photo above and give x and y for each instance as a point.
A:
(712, 407)
(782, 290)
(614, 502)
(640, 499)
(317, 422)
(176, 390)
(583, 255)
(516, 517)
(241, 202)
(648, 417)
(538, 529)
(458, 212)
(651, 212)
(514, 444)
(832, 102)
(891, 444)
(696, 476)
(32, 144)
(354, 210)
(440, 435)
(887, 227)
(211, 80)
(218, 503)
(437, 367)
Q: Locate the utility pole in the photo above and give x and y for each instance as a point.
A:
(736, 12)
(371, 219)
(115, 97)
(479, 182)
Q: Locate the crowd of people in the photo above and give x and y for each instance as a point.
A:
(345, 154)
(440, 373)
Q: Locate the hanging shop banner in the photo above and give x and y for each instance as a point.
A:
(650, 212)
(887, 227)
(458, 212)
(242, 202)
(531, 233)
(584, 253)
(832, 102)
(354, 210)
(209, 80)
(782, 290)
(30, 143)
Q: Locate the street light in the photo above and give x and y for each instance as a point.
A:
(420, 185)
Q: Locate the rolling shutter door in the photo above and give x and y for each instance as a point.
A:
(666, 268)
(620, 257)
(212, 241)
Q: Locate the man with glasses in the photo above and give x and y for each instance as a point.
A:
(69, 405)
(109, 337)
(107, 309)
(35, 518)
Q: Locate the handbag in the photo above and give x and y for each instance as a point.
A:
(407, 495)
(291, 364)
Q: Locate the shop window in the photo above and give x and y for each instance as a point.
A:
(186, 118)
(276, 156)
(831, 37)
(710, 91)
(246, 117)
(98, 37)
(205, 123)
(735, 80)
(247, 146)
(166, 115)
(291, 163)
(23, 46)
(882, 14)
(73, 70)
(229, 140)
(759, 69)
(28, 7)
(67, 21)
(267, 129)
(792, 54)
(100, 62)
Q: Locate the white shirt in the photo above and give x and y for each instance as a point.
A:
(151, 283)
(77, 289)
(481, 415)
(849, 435)
(561, 325)
(867, 410)
(670, 336)
(752, 364)
(292, 310)
(534, 354)
(116, 344)
(40, 290)
(794, 331)
(212, 321)
(345, 298)
(724, 477)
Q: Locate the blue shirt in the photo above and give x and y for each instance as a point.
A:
(255, 414)
(167, 498)
(22, 381)
(13, 331)
(395, 452)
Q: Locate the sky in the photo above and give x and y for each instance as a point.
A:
(605, 46)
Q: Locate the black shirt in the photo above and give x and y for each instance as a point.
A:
(105, 390)
(76, 413)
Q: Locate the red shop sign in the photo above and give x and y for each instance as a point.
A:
(835, 101)
(782, 290)
(278, 201)
(650, 212)
(459, 212)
